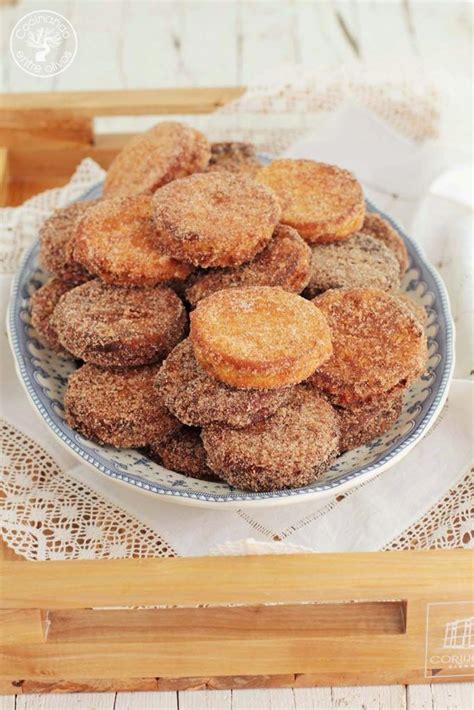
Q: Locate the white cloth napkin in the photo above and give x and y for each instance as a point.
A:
(371, 515)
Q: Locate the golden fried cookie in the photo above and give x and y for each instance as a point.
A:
(198, 399)
(116, 240)
(259, 337)
(117, 407)
(167, 151)
(378, 345)
(415, 308)
(288, 450)
(285, 262)
(214, 219)
(359, 261)
(364, 422)
(378, 228)
(184, 452)
(322, 202)
(234, 157)
(56, 242)
(119, 327)
(42, 304)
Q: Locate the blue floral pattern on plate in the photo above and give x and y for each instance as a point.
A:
(44, 375)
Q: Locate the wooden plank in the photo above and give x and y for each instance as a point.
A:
(147, 701)
(40, 127)
(442, 696)
(91, 701)
(414, 575)
(4, 176)
(7, 702)
(313, 698)
(381, 697)
(280, 621)
(123, 103)
(21, 626)
(206, 700)
(259, 699)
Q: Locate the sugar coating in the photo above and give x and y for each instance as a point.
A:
(285, 262)
(378, 345)
(56, 242)
(362, 423)
(235, 157)
(167, 151)
(214, 219)
(378, 228)
(117, 407)
(116, 240)
(197, 399)
(119, 327)
(321, 201)
(288, 450)
(360, 261)
(183, 452)
(416, 309)
(42, 304)
(259, 337)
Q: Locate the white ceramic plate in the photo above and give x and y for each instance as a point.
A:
(44, 375)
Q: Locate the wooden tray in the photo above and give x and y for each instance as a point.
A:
(293, 620)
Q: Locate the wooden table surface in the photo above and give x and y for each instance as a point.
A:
(145, 44)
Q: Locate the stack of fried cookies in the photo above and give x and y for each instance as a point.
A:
(241, 323)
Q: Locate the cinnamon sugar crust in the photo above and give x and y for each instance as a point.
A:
(322, 202)
(289, 450)
(116, 240)
(362, 423)
(259, 337)
(117, 407)
(166, 152)
(197, 399)
(378, 228)
(235, 157)
(184, 452)
(378, 346)
(285, 262)
(214, 219)
(360, 261)
(42, 305)
(119, 327)
(56, 242)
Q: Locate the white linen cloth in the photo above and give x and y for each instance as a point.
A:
(431, 202)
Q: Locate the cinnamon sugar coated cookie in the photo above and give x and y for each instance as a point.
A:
(214, 219)
(42, 305)
(359, 261)
(184, 452)
(379, 346)
(364, 422)
(119, 327)
(259, 337)
(167, 151)
(378, 228)
(322, 202)
(116, 240)
(117, 407)
(198, 399)
(414, 308)
(234, 157)
(285, 262)
(57, 239)
(288, 450)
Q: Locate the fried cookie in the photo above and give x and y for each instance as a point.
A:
(168, 151)
(57, 242)
(119, 327)
(360, 261)
(42, 304)
(214, 219)
(234, 157)
(378, 346)
(288, 450)
(116, 240)
(197, 399)
(117, 407)
(259, 337)
(322, 202)
(415, 308)
(183, 452)
(285, 262)
(378, 228)
(364, 422)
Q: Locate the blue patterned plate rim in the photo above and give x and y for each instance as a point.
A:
(232, 497)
